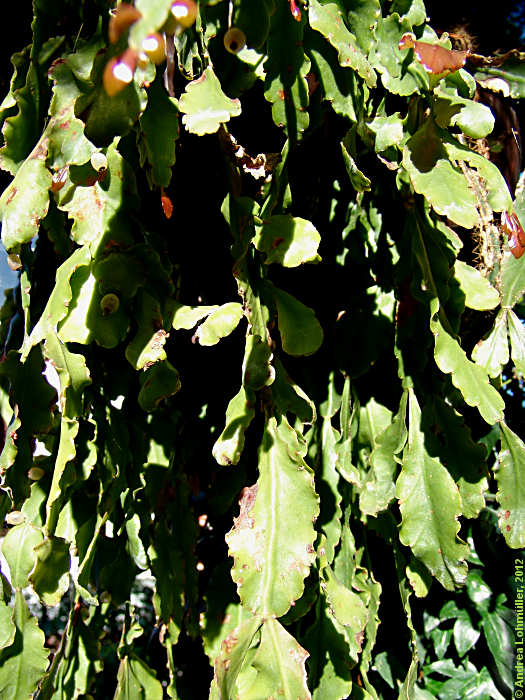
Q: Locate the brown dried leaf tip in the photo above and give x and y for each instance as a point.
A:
(434, 58)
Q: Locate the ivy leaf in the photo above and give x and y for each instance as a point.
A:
(288, 240)
(327, 18)
(25, 202)
(160, 129)
(492, 353)
(517, 340)
(18, 549)
(50, 576)
(511, 489)
(135, 680)
(479, 293)
(430, 506)
(468, 377)
(280, 666)
(240, 412)
(220, 323)
(270, 536)
(23, 663)
(205, 106)
(301, 332)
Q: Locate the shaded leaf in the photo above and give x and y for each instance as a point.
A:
(50, 576)
(430, 506)
(517, 340)
(301, 333)
(511, 488)
(327, 18)
(359, 181)
(232, 654)
(468, 377)
(159, 382)
(135, 680)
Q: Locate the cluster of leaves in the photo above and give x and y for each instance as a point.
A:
(358, 425)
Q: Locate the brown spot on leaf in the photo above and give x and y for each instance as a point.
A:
(246, 503)
(507, 514)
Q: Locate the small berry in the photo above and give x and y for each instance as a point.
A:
(99, 161)
(119, 72)
(124, 16)
(155, 48)
(109, 304)
(234, 40)
(183, 14)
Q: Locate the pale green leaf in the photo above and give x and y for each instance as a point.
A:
(362, 18)
(329, 671)
(147, 347)
(205, 106)
(330, 496)
(257, 370)
(434, 176)
(430, 506)
(379, 487)
(25, 202)
(23, 663)
(50, 577)
(269, 537)
(388, 131)
(511, 488)
(240, 412)
(186, 317)
(512, 285)
(67, 143)
(95, 208)
(136, 681)
(327, 18)
(220, 323)
(359, 180)
(288, 240)
(64, 473)
(473, 118)
(492, 353)
(7, 625)
(301, 332)
(18, 549)
(345, 604)
(58, 302)
(468, 377)
(280, 666)
(232, 654)
(479, 293)
(517, 341)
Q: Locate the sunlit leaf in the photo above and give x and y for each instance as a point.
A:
(288, 240)
(205, 106)
(220, 323)
(517, 340)
(479, 293)
(301, 333)
(492, 352)
(511, 491)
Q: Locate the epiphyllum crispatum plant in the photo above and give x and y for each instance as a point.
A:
(270, 285)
